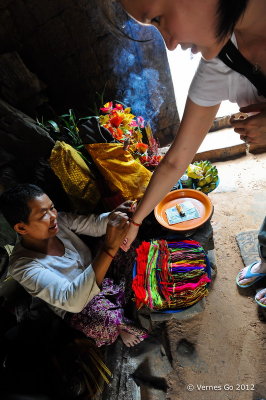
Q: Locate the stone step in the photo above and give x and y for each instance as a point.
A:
(224, 144)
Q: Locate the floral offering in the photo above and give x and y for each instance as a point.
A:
(121, 123)
(128, 129)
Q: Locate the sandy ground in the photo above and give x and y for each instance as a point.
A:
(222, 351)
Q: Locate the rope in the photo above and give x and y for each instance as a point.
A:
(170, 275)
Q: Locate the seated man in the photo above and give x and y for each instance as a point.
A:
(52, 263)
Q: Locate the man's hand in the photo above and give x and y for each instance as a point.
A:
(117, 228)
(128, 207)
(116, 231)
(252, 129)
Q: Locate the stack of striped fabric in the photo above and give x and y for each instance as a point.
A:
(170, 275)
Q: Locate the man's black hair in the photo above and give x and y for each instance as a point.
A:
(14, 202)
(229, 12)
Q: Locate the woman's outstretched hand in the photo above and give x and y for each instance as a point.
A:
(252, 129)
(130, 237)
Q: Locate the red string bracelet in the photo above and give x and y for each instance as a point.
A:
(134, 223)
(109, 254)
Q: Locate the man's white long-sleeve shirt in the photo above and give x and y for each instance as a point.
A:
(66, 283)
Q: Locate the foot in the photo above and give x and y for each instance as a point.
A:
(129, 339)
(258, 268)
(260, 297)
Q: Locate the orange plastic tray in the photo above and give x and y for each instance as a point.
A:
(199, 200)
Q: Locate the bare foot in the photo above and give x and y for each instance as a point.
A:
(257, 268)
(129, 339)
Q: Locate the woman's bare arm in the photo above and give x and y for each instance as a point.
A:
(195, 124)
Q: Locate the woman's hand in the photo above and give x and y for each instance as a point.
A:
(252, 129)
(117, 228)
(130, 237)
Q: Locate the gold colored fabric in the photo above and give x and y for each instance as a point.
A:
(121, 171)
(75, 177)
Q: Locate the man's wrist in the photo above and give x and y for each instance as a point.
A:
(110, 251)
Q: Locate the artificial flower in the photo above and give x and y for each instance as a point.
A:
(116, 120)
(140, 121)
(150, 161)
(141, 147)
(127, 129)
(118, 107)
(104, 119)
(107, 107)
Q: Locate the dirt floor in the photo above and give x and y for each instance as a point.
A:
(221, 353)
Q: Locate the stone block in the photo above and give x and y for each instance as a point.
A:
(256, 148)
(8, 30)
(46, 10)
(21, 136)
(225, 153)
(19, 86)
(7, 234)
(69, 45)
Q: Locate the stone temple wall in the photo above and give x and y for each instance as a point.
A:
(70, 55)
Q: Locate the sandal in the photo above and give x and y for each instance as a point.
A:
(258, 301)
(249, 275)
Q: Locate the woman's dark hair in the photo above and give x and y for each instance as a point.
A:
(228, 13)
(14, 202)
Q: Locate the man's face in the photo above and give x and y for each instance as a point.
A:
(42, 223)
(190, 23)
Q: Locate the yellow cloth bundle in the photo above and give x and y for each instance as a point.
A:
(75, 176)
(121, 171)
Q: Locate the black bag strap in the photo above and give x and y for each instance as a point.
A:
(232, 57)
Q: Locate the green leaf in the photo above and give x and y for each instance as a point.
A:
(86, 118)
(72, 116)
(120, 102)
(54, 125)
